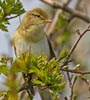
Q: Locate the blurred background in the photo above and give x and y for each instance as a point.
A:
(62, 32)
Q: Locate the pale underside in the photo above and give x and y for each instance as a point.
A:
(42, 46)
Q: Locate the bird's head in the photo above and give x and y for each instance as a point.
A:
(36, 18)
(33, 24)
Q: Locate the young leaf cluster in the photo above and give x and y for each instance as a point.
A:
(44, 74)
(7, 8)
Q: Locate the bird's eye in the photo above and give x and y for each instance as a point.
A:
(38, 16)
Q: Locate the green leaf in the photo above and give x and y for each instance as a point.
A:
(37, 82)
(53, 63)
(4, 69)
(62, 85)
(3, 27)
(64, 53)
(3, 23)
(7, 8)
(11, 7)
(19, 65)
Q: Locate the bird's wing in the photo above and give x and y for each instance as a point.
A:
(13, 43)
(14, 49)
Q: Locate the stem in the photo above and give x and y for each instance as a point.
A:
(75, 71)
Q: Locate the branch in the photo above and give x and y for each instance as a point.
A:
(12, 17)
(70, 85)
(77, 41)
(51, 26)
(75, 71)
(66, 4)
(72, 12)
(75, 45)
(87, 82)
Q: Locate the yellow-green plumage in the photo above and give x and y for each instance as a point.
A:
(30, 34)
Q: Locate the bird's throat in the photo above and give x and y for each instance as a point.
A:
(35, 35)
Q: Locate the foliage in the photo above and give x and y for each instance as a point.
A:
(64, 53)
(45, 74)
(8, 8)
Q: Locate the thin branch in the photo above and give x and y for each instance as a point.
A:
(77, 41)
(55, 18)
(70, 85)
(87, 82)
(51, 26)
(75, 71)
(72, 12)
(67, 3)
(72, 88)
(75, 45)
(12, 17)
(65, 63)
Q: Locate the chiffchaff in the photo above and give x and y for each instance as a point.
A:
(30, 36)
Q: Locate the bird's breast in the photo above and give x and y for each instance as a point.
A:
(41, 47)
(35, 48)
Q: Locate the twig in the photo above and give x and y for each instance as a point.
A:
(27, 88)
(70, 85)
(12, 17)
(77, 41)
(72, 12)
(67, 59)
(87, 82)
(65, 63)
(21, 89)
(75, 71)
(51, 26)
(67, 3)
(75, 45)
(55, 18)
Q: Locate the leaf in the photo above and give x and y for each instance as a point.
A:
(7, 8)
(62, 85)
(19, 65)
(37, 82)
(64, 53)
(76, 67)
(52, 63)
(11, 95)
(3, 23)
(12, 7)
(4, 69)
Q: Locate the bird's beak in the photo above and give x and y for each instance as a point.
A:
(48, 21)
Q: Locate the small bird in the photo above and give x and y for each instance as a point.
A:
(30, 36)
